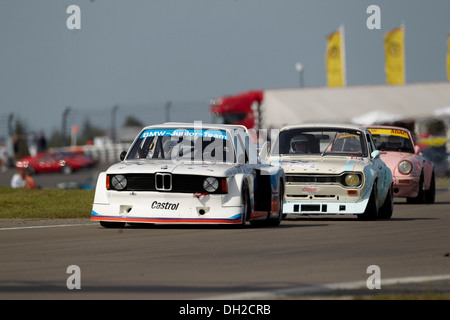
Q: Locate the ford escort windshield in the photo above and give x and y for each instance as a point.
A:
(322, 141)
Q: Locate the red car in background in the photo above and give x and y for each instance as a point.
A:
(65, 162)
(413, 174)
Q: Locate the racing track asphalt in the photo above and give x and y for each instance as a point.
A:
(201, 262)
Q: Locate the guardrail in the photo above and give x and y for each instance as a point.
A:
(104, 154)
(108, 153)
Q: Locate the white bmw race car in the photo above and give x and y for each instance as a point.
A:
(190, 173)
(333, 169)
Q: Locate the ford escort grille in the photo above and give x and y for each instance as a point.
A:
(313, 178)
(321, 178)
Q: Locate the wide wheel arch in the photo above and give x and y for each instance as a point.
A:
(372, 208)
(246, 202)
(386, 210)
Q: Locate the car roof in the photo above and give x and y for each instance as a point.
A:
(325, 125)
(193, 125)
(388, 127)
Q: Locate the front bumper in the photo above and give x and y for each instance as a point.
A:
(406, 186)
(324, 207)
(313, 204)
(166, 208)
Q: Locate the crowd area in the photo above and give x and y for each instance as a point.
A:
(10, 153)
(23, 179)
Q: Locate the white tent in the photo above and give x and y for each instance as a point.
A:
(376, 116)
(354, 103)
(442, 112)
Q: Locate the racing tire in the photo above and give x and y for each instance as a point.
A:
(430, 194)
(387, 208)
(109, 224)
(245, 205)
(371, 212)
(420, 198)
(276, 221)
(66, 169)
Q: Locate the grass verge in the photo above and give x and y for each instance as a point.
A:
(443, 183)
(45, 203)
(57, 204)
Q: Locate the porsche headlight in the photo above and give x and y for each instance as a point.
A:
(119, 182)
(405, 167)
(210, 184)
(352, 180)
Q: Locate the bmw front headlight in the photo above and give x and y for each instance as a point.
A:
(210, 184)
(405, 167)
(352, 180)
(119, 182)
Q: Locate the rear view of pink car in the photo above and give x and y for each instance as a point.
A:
(413, 174)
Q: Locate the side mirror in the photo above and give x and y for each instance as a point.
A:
(122, 156)
(375, 154)
(416, 149)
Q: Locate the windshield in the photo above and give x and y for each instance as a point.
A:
(183, 145)
(392, 140)
(321, 141)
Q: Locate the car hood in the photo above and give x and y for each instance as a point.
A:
(322, 165)
(392, 158)
(152, 166)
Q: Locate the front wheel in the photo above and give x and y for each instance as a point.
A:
(245, 205)
(371, 212)
(109, 224)
(67, 169)
(388, 206)
(275, 222)
(420, 198)
(430, 194)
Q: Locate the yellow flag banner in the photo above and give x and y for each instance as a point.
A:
(448, 58)
(335, 60)
(394, 51)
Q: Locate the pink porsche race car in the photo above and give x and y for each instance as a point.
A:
(413, 174)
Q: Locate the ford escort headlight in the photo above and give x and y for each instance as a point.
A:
(210, 184)
(405, 167)
(352, 180)
(119, 182)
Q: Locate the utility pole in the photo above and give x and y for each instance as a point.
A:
(64, 126)
(300, 69)
(113, 123)
(10, 125)
(167, 109)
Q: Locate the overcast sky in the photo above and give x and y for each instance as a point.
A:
(150, 51)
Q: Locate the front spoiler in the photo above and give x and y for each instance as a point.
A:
(309, 207)
(237, 219)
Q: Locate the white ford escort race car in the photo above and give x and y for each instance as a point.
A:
(190, 174)
(333, 169)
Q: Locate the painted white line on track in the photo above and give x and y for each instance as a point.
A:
(50, 226)
(283, 293)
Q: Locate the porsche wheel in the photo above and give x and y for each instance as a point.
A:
(420, 198)
(430, 194)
